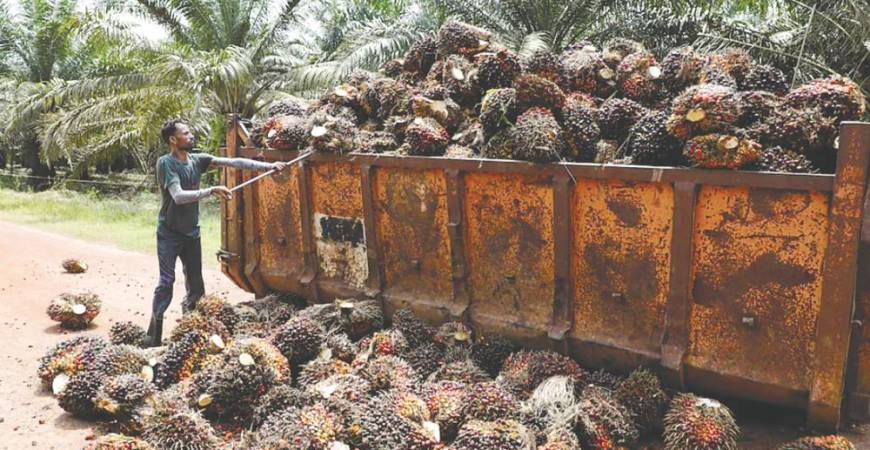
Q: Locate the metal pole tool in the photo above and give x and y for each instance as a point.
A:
(299, 158)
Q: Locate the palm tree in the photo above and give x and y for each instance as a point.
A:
(221, 58)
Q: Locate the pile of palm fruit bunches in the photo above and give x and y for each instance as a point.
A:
(273, 373)
(459, 94)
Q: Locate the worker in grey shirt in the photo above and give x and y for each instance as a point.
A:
(178, 176)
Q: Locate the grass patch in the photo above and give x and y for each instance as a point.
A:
(130, 224)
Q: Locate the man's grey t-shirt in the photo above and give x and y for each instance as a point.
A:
(174, 218)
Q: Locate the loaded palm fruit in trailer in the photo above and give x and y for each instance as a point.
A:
(570, 202)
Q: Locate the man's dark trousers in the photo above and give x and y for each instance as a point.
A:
(172, 246)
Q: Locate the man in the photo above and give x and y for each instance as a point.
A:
(178, 175)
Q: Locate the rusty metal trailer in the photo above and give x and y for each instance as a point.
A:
(745, 284)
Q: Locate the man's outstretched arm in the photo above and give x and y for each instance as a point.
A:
(246, 164)
(181, 196)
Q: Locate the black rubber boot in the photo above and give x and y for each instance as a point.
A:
(155, 332)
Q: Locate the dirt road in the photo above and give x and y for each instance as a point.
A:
(30, 276)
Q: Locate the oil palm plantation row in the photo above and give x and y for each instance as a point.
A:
(82, 87)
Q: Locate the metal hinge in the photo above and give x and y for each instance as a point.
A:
(224, 257)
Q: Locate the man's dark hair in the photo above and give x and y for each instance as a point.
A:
(168, 129)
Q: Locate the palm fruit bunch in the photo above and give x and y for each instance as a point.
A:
(607, 151)
(503, 434)
(459, 78)
(778, 159)
(445, 402)
(415, 331)
(115, 441)
(299, 339)
(123, 397)
(457, 38)
(200, 323)
(425, 359)
(311, 427)
(584, 70)
(349, 387)
(639, 76)
(641, 393)
(734, 63)
(384, 429)
(283, 132)
(616, 117)
(73, 265)
(183, 428)
(74, 311)
(544, 64)
(603, 422)
(389, 342)
(498, 110)
(375, 141)
(497, 69)
(453, 334)
(127, 333)
(263, 353)
(535, 91)
(650, 143)
(182, 358)
(696, 422)
(808, 130)
(580, 126)
(220, 309)
(681, 68)
(550, 406)
(702, 109)
(359, 319)
(279, 398)
(616, 49)
(756, 107)
(537, 137)
(489, 401)
(290, 106)
(230, 391)
(384, 97)
(420, 56)
(77, 397)
(764, 77)
(604, 379)
(490, 351)
(831, 442)
(68, 358)
(561, 439)
(319, 369)
(424, 136)
(389, 372)
(721, 151)
(462, 370)
(836, 97)
(525, 370)
(331, 134)
(271, 310)
(341, 347)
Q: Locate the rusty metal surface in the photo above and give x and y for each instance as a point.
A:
(722, 278)
(757, 283)
(412, 221)
(814, 182)
(510, 251)
(250, 223)
(336, 193)
(859, 376)
(279, 230)
(622, 236)
(232, 251)
(675, 337)
(838, 294)
(563, 238)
